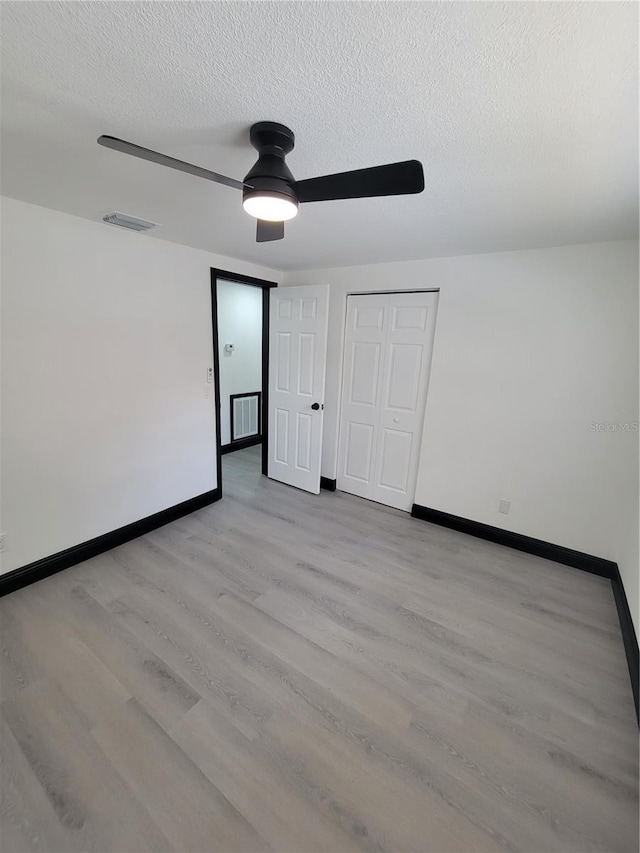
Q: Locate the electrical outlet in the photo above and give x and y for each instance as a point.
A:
(504, 507)
(3, 543)
(207, 392)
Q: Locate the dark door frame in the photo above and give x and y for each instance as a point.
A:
(266, 287)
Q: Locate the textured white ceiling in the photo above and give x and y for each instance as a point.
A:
(524, 116)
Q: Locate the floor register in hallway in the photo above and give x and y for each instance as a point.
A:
(287, 672)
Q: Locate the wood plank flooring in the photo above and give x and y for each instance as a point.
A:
(289, 672)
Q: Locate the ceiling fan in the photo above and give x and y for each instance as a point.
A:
(271, 194)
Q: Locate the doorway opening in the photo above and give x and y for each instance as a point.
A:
(240, 324)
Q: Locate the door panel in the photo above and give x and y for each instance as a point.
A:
(284, 308)
(298, 335)
(306, 364)
(387, 357)
(404, 376)
(309, 306)
(366, 318)
(358, 452)
(283, 361)
(410, 317)
(281, 436)
(395, 454)
(364, 373)
(369, 318)
(303, 441)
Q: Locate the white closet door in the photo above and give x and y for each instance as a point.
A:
(298, 320)
(363, 360)
(388, 346)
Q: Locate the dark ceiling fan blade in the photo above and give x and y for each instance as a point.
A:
(163, 160)
(393, 179)
(267, 231)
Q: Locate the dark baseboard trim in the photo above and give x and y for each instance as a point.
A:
(559, 554)
(326, 483)
(241, 444)
(78, 553)
(629, 637)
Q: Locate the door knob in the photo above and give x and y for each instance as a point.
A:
(316, 406)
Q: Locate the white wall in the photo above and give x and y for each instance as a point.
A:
(239, 323)
(530, 349)
(106, 339)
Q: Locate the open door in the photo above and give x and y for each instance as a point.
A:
(298, 320)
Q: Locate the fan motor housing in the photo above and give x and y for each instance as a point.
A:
(270, 173)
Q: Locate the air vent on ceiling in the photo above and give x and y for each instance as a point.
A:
(130, 222)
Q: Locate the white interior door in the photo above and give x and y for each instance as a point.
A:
(298, 319)
(387, 358)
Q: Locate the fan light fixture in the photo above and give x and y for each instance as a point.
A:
(270, 206)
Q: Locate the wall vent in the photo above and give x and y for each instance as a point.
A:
(130, 222)
(245, 415)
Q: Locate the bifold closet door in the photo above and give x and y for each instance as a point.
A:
(387, 358)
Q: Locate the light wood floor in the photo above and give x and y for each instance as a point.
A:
(288, 672)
